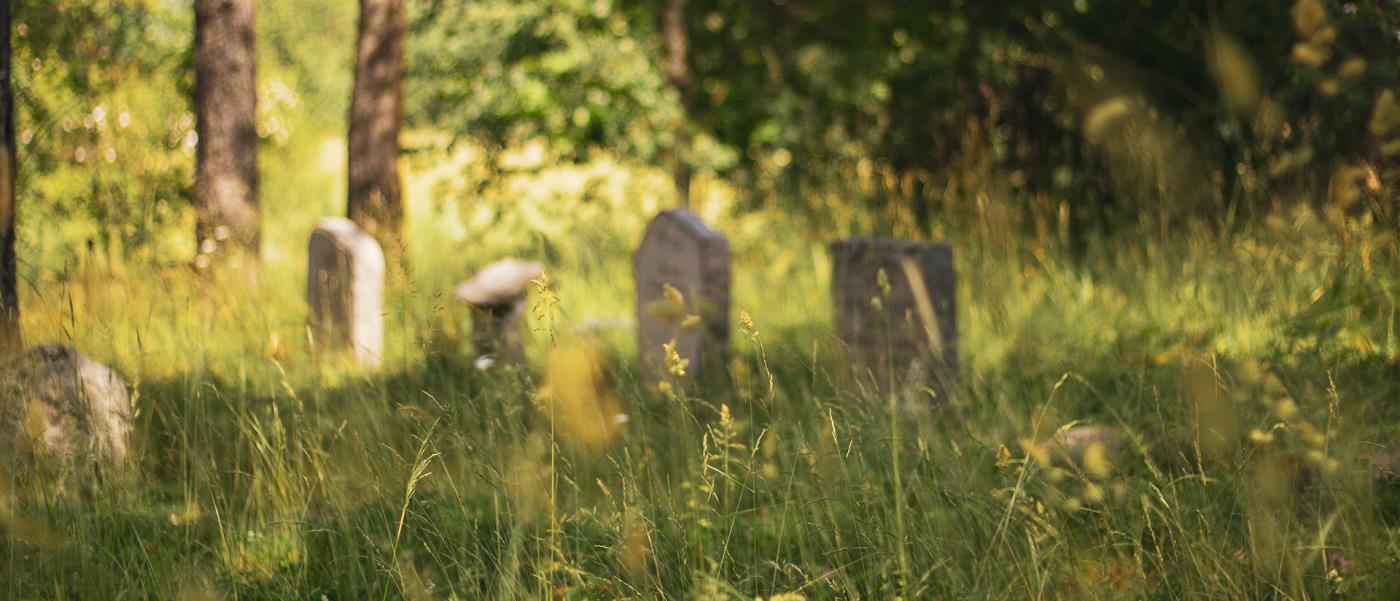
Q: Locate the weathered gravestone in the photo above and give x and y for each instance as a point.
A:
(497, 295)
(679, 251)
(60, 409)
(345, 289)
(896, 313)
(1385, 479)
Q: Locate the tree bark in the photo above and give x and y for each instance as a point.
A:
(677, 41)
(10, 340)
(376, 114)
(225, 104)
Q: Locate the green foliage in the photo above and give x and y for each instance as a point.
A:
(899, 109)
(574, 73)
(802, 90)
(105, 130)
(304, 66)
(803, 100)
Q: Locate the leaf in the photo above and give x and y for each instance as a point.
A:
(1308, 17)
(1235, 72)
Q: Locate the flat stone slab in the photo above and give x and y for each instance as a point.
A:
(345, 289)
(900, 324)
(679, 250)
(497, 296)
(500, 283)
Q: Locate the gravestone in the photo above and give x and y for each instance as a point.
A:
(1074, 443)
(1385, 480)
(679, 250)
(496, 295)
(899, 327)
(345, 290)
(60, 409)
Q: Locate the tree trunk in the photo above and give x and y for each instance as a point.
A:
(10, 340)
(677, 41)
(225, 105)
(376, 112)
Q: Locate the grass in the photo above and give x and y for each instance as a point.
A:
(1252, 373)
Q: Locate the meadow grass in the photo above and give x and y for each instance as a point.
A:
(1251, 372)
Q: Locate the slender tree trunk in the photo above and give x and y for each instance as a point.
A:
(677, 40)
(10, 339)
(677, 44)
(376, 114)
(225, 105)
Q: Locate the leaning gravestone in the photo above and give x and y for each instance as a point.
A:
(60, 409)
(345, 289)
(679, 251)
(895, 311)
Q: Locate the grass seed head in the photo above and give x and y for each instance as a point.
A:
(675, 363)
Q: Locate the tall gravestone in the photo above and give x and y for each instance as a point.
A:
(679, 250)
(899, 327)
(345, 290)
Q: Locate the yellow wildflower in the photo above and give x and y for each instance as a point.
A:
(1096, 460)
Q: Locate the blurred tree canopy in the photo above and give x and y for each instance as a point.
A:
(1201, 105)
(105, 132)
(104, 112)
(1087, 111)
(575, 73)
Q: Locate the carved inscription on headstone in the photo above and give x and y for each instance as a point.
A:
(896, 311)
(345, 290)
(679, 251)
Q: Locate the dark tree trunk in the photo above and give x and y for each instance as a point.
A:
(10, 340)
(225, 105)
(677, 44)
(376, 112)
(677, 41)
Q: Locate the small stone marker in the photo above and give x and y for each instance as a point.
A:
(1385, 465)
(345, 289)
(1385, 480)
(1073, 443)
(61, 409)
(901, 327)
(680, 251)
(497, 298)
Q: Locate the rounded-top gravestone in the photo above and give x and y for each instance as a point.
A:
(680, 252)
(345, 289)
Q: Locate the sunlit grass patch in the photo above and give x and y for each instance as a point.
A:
(1245, 379)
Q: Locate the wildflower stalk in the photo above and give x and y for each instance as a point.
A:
(545, 308)
(420, 471)
(898, 496)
